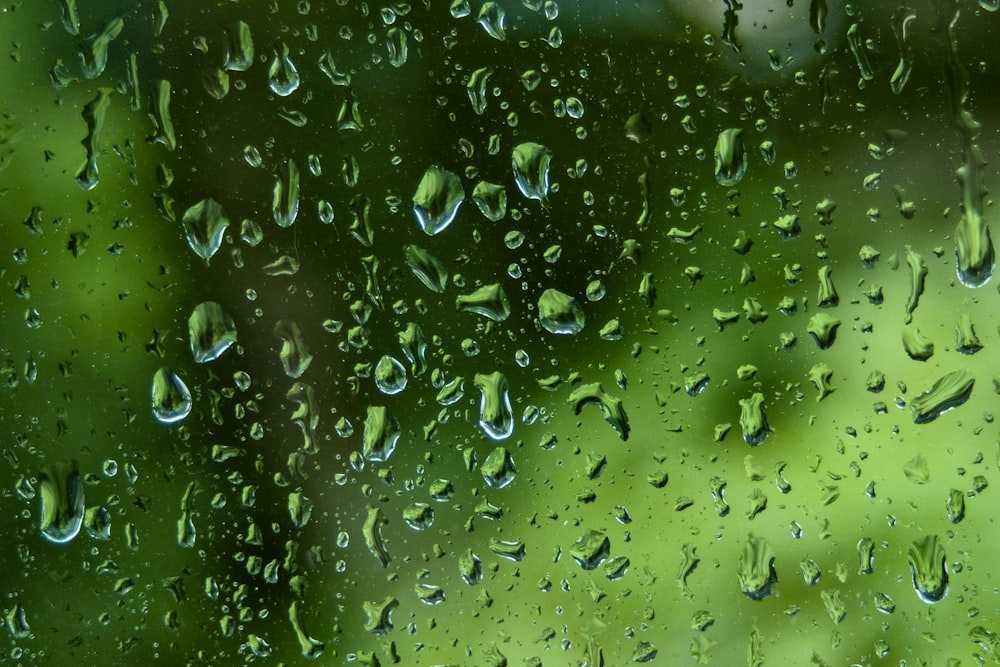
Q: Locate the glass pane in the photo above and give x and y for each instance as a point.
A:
(474, 332)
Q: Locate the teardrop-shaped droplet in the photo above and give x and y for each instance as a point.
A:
(437, 200)
(171, 397)
(204, 224)
(282, 75)
(390, 375)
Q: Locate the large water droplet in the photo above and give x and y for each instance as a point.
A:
(171, 397)
(295, 355)
(498, 469)
(239, 48)
(490, 301)
(560, 313)
(530, 162)
(426, 267)
(437, 199)
(949, 391)
(753, 421)
(492, 18)
(285, 196)
(491, 199)
(282, 76)
(591, 549)
(204, 224)
(496, 417)
(381, 433)
(212, 331)
(927, 567)
(756, 569)
(730, 157)
(390, 375)
(61, 492)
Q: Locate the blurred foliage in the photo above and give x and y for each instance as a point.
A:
(565, 476)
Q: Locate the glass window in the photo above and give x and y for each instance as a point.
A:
(498, 332)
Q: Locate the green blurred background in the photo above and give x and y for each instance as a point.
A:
(113, 282)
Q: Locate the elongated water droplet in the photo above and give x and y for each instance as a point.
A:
(730, 157)
(927, 568)
(282, 76)
(239, 48)
(285, 196)
(61, 492)
(530, 162)
(756, 569)
(381, 433)
(94, 51)
(753, 421)
(496, 418)
(476, 88)
(948, 392)
(396, 44)
(93, 113)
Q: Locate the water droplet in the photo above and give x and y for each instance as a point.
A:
(530, 162)
(204, 225)
(62, 511)
(756, 569)
(753, 421)
(93, 113)
(490, 301)
(927, 568)
(591, 549)
(496, 417)
(730, 157)
(390, 375)
(611, 406)
(491, 199)
(381, 433)
(470, 567)
(476, 88)
(285, 196)
(492, 19)
(282, 76)
(560, 313)
(94, 51)
(918, 346)
(379, 615)
(498, 469)
(238, 47)
(171, 397)
(437, 200)
(294, 354)
(948, 392)
(395, 42)
(212, 331)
